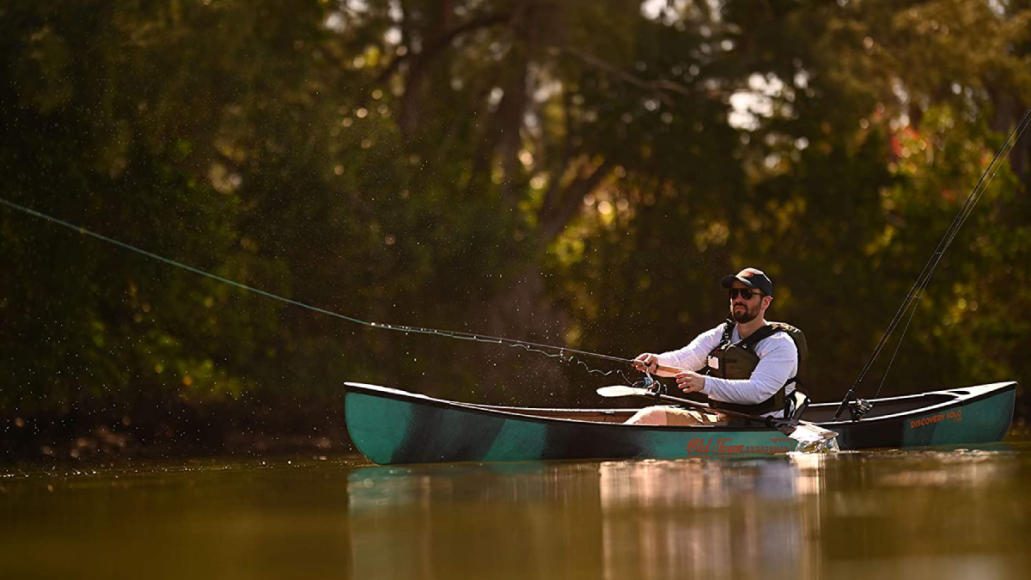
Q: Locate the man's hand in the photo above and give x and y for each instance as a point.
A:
(646, 362)
(649, 363)
(690, 382)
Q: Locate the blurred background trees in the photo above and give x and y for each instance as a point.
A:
(575, 173)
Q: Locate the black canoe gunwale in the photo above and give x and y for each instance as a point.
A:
(959, 396)
(399, 395)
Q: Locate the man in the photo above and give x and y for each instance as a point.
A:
(744, 364)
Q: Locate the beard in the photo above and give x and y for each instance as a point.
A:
(745, 314)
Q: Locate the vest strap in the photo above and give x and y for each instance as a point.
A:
(774, 403)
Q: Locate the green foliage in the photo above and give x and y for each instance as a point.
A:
(578, 173)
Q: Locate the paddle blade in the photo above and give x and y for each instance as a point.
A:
(622, 391)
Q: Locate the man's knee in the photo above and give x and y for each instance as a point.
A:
(649, 416)
(673, 416)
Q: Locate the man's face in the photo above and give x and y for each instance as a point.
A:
(742, 310)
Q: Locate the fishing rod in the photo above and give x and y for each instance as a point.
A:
(563, 353)
(922, 281)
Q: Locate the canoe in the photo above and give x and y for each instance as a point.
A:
(391, 426)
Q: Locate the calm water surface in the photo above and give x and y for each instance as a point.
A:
(919, 514)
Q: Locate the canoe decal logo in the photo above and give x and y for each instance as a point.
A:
(724, 446)
(956, 416)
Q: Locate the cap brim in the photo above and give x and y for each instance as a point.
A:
(729, 280)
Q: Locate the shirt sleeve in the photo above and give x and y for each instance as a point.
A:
(693, 356)
(778, 362)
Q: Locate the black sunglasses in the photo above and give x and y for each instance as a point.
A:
(745, 293)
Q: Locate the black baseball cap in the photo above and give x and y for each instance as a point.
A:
(751, 277)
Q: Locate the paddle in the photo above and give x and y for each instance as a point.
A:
(801, 431)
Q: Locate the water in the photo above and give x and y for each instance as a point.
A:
(916, 514)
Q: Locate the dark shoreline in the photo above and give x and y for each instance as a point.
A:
(195, 432)
(175, 431)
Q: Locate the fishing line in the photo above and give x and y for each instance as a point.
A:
(923, 288)
(568, 355)
(916, 293)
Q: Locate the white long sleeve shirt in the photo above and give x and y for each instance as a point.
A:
(778, 362)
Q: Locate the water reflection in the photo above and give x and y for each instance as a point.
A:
(707, 519)
(924, 514)
(613, 519)
(799, 516)
(513, 520)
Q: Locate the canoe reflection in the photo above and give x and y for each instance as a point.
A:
(623, 519)
(710, 519)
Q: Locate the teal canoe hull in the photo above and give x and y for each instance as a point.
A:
(390, 426)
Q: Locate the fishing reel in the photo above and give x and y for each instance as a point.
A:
(657, 388)
(859, 407)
